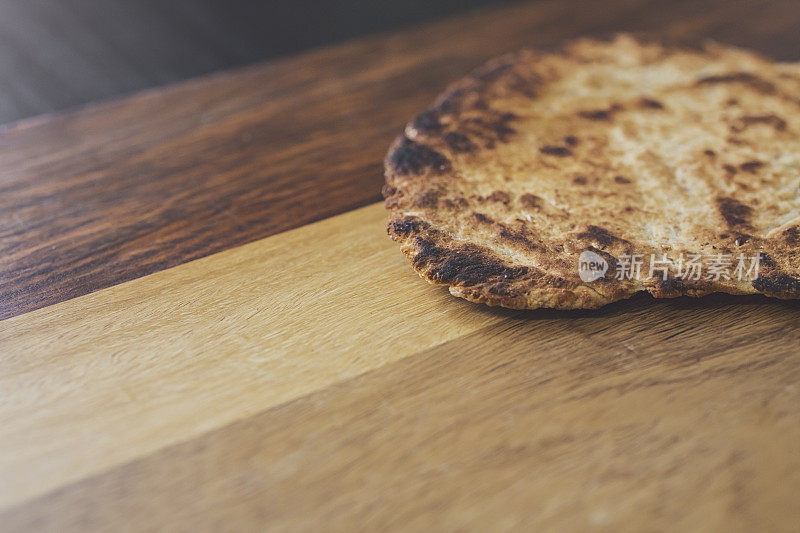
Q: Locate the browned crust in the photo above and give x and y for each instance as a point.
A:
(465, 123)
(479, 275)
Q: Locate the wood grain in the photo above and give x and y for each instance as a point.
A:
(102, 379)
(312, 378)
(309, 379)
(116, 191)
(675, 415)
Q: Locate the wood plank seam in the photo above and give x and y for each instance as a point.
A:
(189, 348)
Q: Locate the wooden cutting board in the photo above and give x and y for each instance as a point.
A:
(206, 327)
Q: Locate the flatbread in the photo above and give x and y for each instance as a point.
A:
(575, 178)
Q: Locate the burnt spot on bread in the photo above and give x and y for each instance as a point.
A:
(455, 203)
(560, 151)
(498, 124)
(579, 180)
(765, 260)
(743, 123)
(650, 103)
(409, 157)
(501, 126)
(667, 286)
(499, 77)
(600, 236)
(465, 265)
(407, 226)
(531, 201)
(388, 191)
(463, 117)
(459, 99)
(745, 78)
(595, 114)
(791, 235)
(503, 289)
(571, 140)
(450, 103)
(621, 180)
(491, 127)
(600, 114)
(751, 166)
(554, 281)
(392, 196)
(480, 217)
(516, 237)
(502, 76)
(733, 211)
(740, 238)
(427, 199)
(710, 153)
(610, 259)
(525, 85)
(427, 122)
(458, 142)
(499, 196)
(730, 169)
(779, 285)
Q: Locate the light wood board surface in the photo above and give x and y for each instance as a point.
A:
(311, 378)
(209, 342)
(205, 327)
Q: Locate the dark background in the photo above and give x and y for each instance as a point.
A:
(57, 54)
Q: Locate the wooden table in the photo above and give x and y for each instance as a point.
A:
(206, 327)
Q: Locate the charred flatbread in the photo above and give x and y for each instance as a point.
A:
(575, 178)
